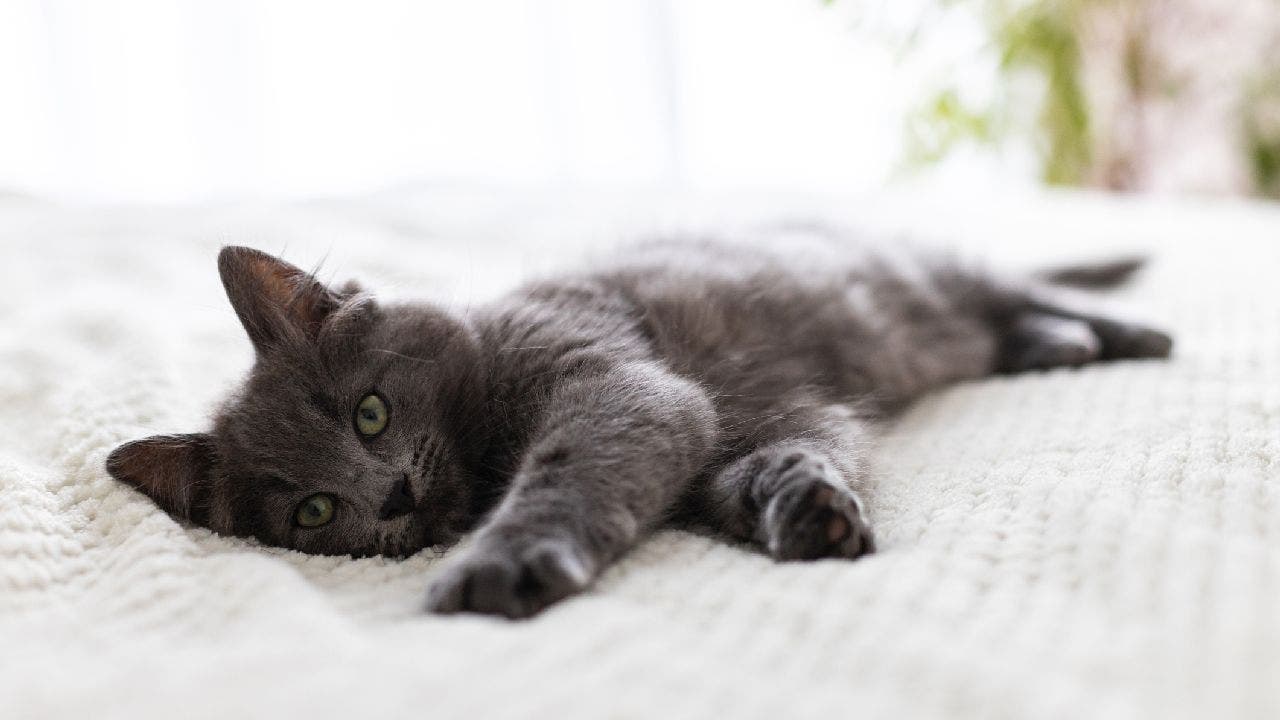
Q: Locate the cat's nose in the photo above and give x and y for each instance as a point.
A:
(399, 503)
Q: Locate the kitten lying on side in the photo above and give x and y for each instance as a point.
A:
(719, 382)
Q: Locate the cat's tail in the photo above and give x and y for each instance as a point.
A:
(1099, 275)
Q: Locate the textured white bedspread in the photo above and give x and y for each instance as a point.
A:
(1075, 544)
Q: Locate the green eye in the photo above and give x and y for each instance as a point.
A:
(371, 416)
(314, 511)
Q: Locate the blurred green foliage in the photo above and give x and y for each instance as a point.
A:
(1036, 50)
(1038, 38)
(1042, 37)
(1261, 131)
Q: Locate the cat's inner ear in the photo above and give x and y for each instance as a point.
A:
(173, 470)
(277, 303)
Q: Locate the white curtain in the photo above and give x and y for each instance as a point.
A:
(192, 100)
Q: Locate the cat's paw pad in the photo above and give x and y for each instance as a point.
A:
(514, 584)
(811, 518)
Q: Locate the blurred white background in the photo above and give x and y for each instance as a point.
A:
(191, 100)
(163, 101)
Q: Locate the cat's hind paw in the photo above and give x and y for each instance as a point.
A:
(511, 583)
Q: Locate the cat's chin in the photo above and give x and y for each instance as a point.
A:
(402, 552)
(392, 551)
(437, 540)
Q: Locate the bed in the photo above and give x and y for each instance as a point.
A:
(1094, 543)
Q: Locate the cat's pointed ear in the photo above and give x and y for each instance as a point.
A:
(277, 303)
(173, 470)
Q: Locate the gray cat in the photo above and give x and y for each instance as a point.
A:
(718, 383)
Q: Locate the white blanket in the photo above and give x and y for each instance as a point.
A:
(1073, 544)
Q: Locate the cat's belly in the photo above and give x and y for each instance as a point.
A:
(847, 361)
(846, 342)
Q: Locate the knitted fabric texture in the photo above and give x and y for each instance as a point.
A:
(1093, 543)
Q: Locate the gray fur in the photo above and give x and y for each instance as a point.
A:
(726, 384)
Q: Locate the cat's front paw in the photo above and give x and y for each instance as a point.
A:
(813, 515)
(512, 582)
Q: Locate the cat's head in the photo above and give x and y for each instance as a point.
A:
(352, 434)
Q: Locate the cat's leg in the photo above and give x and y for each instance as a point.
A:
(613, 454)
(1120, 337)
(1037, 341)
(793, 494)
(1059, 327)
